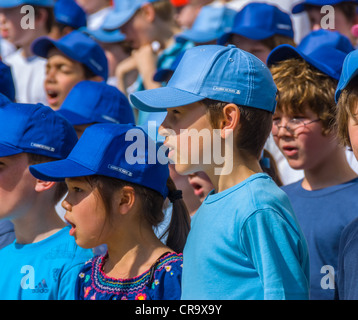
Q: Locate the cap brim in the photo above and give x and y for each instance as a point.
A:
(298, 8)
(104, 35)
(286, 51)
(6, 151)
(160, 99)
(59, 170)
(197, 36)
(42, 46)
(343, 81)
(74, 118)
(116, 19)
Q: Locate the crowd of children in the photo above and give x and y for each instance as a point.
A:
(178, 149)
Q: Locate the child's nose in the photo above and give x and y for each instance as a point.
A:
(66, 205)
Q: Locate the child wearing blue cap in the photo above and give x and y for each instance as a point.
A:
(244, 242)
(324, 200)
(346, 122)
(258, 28)
(69, 16)
(70, 59)
(116, 195)
(43, 262)
(28, 70)
(343, 20)
(91, 102)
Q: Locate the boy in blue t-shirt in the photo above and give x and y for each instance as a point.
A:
(324, 200)
(346, 121)
(245, 242)
(44, 260)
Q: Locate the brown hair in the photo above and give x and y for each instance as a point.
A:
(164, 9)
(60, 187)
(50, 21)
(301, 86)
(276, 40)
(255, 125)
(345, 109)
(152, 203)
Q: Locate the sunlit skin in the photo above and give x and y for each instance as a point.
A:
(341, 23)
(255, 47)
(17, 186)
(353, 132)
(62, 74)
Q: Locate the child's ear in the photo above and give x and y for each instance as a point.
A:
(125, 199)
(148, 12)
(42, 185)
(231, 119)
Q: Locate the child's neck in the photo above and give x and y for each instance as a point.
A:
(37, 225)
(336, 170)
(241, 169)
(133, 255)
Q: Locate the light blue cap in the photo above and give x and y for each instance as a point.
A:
(108, 149)
(210, 24)
(16, 3)
(216, 72)
(300, 7)
(122, 13)
(91, 102)
(349, 71)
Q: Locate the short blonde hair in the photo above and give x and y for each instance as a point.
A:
(345, 109)
(301, 87)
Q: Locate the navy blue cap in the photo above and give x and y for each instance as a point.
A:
(78, 47)
(69, 13)
(7, 86)
(93, 102)
(260, 21)
(34, 128)
(210, 24)
(121, 151)
(300, 7)
(323, 49)
(349, 71)
(223, 73)
(16, 3)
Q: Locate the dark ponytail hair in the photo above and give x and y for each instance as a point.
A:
(152, 204)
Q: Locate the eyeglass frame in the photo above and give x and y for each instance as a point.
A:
(303, 124)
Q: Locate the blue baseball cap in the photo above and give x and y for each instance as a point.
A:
(16, 3)
(216, 72)
(108, 150)
(105, 36)
(78, 47)
(323, 49)
(123, 12)
(210, 24)
(34, 128)
(7, 86)
(300, 7)
(260, 21)
(69, 13)
(92, 102)
(349, 71)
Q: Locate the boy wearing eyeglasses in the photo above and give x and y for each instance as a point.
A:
(324, 200)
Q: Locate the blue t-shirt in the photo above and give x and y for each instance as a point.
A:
(45, 270)
(322, 215)
(161, 282)
(347, 273)
(7, 233)
(245, 243)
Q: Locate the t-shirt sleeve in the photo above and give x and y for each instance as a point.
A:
(276, 251)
